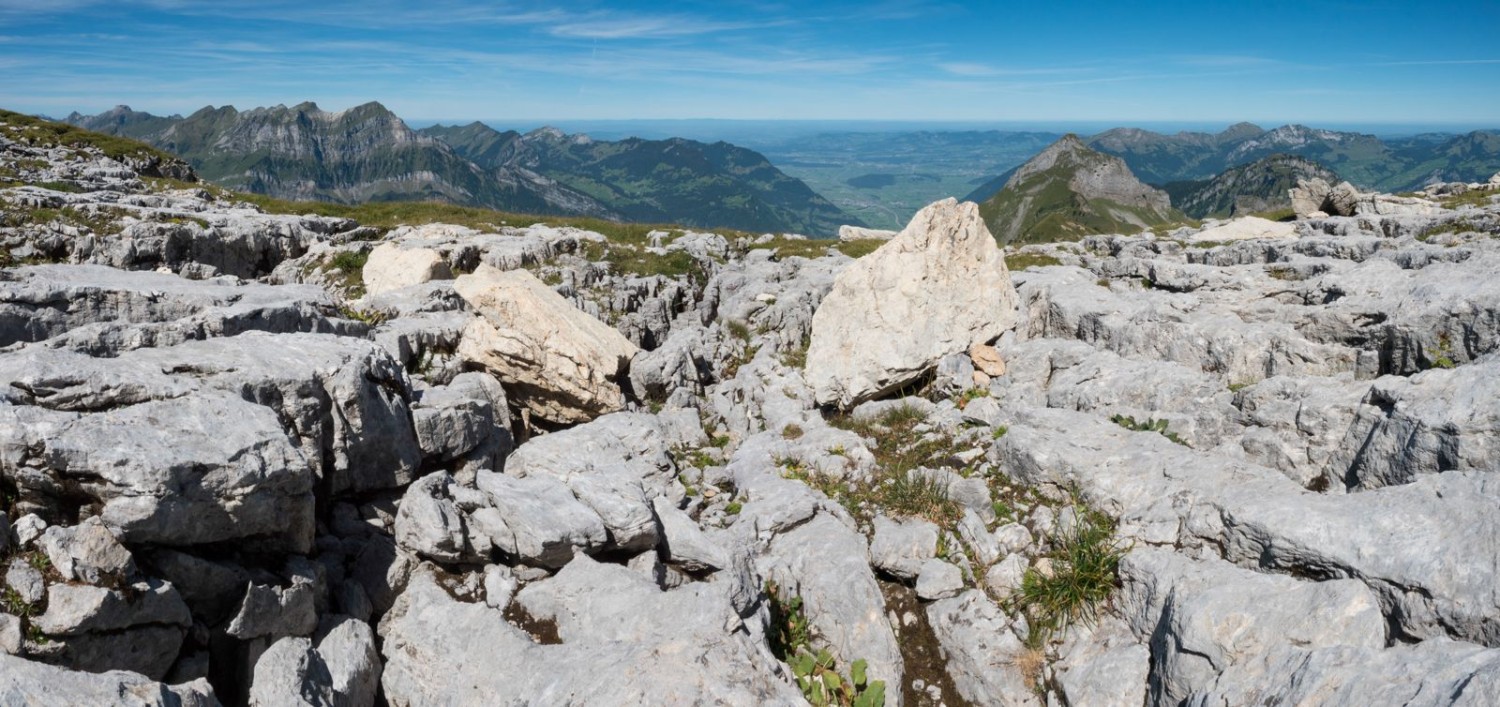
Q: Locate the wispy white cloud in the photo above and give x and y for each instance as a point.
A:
(1226, 60)
(1438, 62)
(976, 70)
(648, 27)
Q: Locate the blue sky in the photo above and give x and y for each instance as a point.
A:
(1272, 62)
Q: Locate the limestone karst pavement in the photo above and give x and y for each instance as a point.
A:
(270, 459)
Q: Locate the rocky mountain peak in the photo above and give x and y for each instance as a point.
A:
(1069, 190)
(546, 133)
(1239, 131)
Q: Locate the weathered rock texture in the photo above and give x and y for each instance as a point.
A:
(936, 289)
(268, 491)
(561, 364)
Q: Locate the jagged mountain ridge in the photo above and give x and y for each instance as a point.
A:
(1392, 164)
(1257, 186)
(367, 153)
(656, 180)
(1068, 191)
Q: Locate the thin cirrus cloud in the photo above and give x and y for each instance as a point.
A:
(974, 70)
(649, 27)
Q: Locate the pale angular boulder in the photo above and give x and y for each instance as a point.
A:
(560, 363)
(429, 523)
(987, 360)
(1314, 196)
(10, 634)
(138, 628)
(200, 469)
(1005, 577)
(26, 581)
(391, 267)
(936, 289)
(1103, 664)
(1430, 673)
(290, 673)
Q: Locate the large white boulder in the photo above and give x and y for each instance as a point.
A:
(937, 288)
(391, 267)
(560, 363)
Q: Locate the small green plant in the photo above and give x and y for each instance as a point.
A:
(1085, 571)
(1003, 512)
(371, 316)
(790, 627)
(922, 496)
(838, 451)
(796, 358)
(963, 399)
(942, 549)
(719, 441)
(1237, 387)
(1442, 355)
(40, 561)
(351, 267)
(792, 431)
(1150, 425)
(738, 330)
(733, 508)
(1022, 261)
(687, 486)
(815, 672)
(999, 432)
(903, 415)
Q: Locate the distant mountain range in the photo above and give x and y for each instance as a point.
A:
(1069, 191)
(674, 180)
(367, 153)
(1390, 164)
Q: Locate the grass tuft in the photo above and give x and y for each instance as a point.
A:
(1085, 571)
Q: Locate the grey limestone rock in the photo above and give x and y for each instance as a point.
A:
(939, 579)
(544, 523)
(684, 543)
(900, 548)
(983, 652)
(87, 552)
(439, 650)
(27, 682)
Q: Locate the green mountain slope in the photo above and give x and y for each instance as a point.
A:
(1069, 191)
(683, 181)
